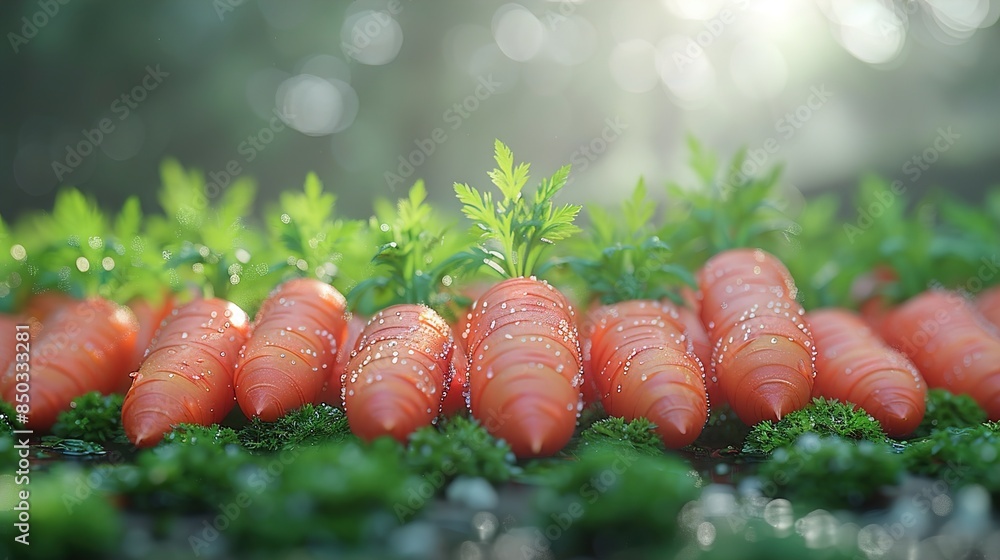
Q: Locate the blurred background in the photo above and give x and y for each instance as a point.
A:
(375, 94)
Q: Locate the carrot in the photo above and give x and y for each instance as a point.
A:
(638, 354)
(396, 379)
(690, 316)
(44, 304)
(187, 377)
(86, 346)
(763, 353)
(348, 342)
(524, 359)
(525, 365)
(402, 368)
(854, 365)
(941, 333)
(988, 303)
(150, 314)
(8, 348)
(292, 346)
(455, 399)
(638, 357)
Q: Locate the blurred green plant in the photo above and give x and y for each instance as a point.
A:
(959, 456)
(605, 500)
(68, 524)
(830, 472)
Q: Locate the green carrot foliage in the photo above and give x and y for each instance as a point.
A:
(521, 228)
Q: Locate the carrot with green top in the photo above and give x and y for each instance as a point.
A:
(524, 362)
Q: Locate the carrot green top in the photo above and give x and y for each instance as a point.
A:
(415, 256)
(521, 227)
(622, 258)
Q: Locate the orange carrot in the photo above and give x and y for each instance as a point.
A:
(950, 344)
(854, 365)
(150, 316)
(454, 401)
(292, 347)
(763, 353)
(638, 355)
(347, 344)
(525, 365)
(86, 346)
(690, 316)
(525, 368)
(988, 303)
(8, 348)
(187, 377)
(399, 373)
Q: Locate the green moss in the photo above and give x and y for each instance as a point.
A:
(308, 425)
(615, 434)
(948, 410)
(959, 456)
(8, 418)
(611, 501)
(823, 417)
(459, 446)
(326, 495)
(70, 519)
(830, 472)
(193, 475)
(92, 417)
(194, 434)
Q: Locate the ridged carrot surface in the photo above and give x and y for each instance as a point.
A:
(525, 365)
(187, 377)
(291, 349)
(399, 372)
(690, 316)
(150, 317)
(641, 362)
(988, 303)
(85, 346)
(763, 354)
(949, 343)
(331, 391)
(854, 365)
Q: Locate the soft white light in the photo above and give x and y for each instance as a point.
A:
(633, 66)
(371, 37)
(758, 68)
(870, 31)
(690, 79)
(695, 9)
(310, 104)
(571, 41)
(517, 31)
